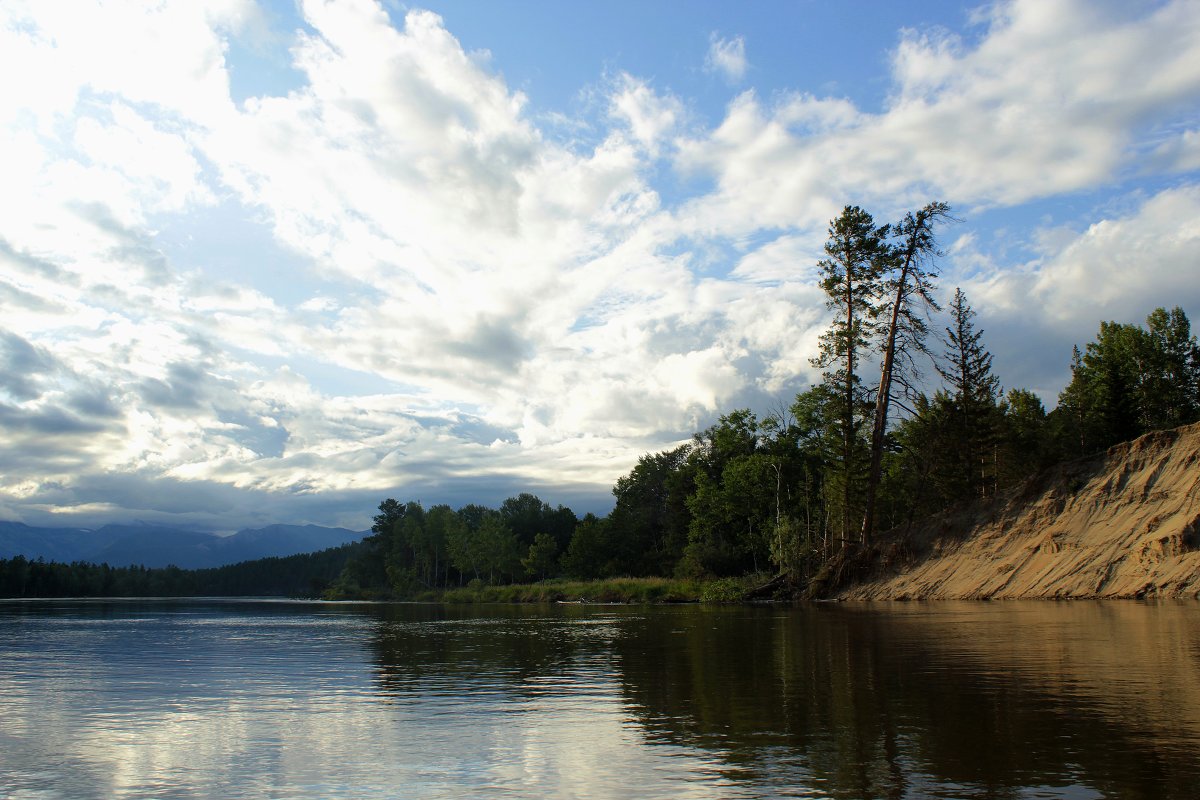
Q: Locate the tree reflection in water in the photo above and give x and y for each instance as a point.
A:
(1010, 700)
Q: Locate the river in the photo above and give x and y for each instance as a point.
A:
(261, 699)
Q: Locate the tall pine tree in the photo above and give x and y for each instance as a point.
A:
(857, 252)
(908, 297)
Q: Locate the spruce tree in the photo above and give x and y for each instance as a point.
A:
(974, 392)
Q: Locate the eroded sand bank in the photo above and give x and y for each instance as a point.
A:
(1124, 524)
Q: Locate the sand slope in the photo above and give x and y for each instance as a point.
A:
(1124, 524)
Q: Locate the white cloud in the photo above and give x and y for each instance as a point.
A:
(1180, 153)
(155, 162)
(1056, 97)
(650, 117)
(472, 245)
(527, 311)
(1126, 267)
(170, 55)
(1119, 269)
(727, 57)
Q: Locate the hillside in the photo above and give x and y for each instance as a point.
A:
(160, 546)
(1123, 524)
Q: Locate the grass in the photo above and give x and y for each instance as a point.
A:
(610, 590)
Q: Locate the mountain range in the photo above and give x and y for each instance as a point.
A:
(161, 546)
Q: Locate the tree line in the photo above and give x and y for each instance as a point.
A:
(412, 549)
(865, 449)
(302, 575)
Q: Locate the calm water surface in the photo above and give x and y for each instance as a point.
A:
(232, 699)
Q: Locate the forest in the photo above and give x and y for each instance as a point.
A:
(866, 450)
(906, 421)
(303, 575)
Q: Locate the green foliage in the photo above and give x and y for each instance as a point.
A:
(723, 590)
(648, 526)
(857, 255)
(465, 547)
(413, 551)
(908, 299)
(748, 476)
(1171, 382)
(526, 516)
(851, 277)
(499, 547)
(966, 365)
(1025, 439)
(970, 409)
(732, 589)
(542, 558)
(590, 554)
(794, 547)
(1128, 381)
(610, 590)
(304, 575)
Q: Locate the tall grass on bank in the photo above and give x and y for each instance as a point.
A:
(611, 590)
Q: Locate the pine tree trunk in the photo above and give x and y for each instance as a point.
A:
(882, 399)
(848, 416)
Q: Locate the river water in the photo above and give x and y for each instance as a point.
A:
(259, 699)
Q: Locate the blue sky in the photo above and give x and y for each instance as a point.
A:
(273, 262)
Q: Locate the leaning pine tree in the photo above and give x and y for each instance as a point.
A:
(907, 286)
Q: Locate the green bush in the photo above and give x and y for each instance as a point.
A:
(724, 590)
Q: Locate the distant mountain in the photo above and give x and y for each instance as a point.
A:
(52, 544)
(160, 546)
(282, 540)
(154, 546)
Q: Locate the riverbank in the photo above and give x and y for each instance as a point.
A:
(610, 590)
(1124, 524)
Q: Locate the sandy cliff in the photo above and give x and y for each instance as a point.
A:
(1123, 524)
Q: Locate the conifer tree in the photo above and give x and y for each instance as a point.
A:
(857, 251)
(974, 394)
(1024, 445)
(908, 298)
(1171, 381)
(1131, 380)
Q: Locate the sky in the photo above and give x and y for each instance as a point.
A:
(265, 262)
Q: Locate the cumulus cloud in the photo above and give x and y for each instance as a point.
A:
(531, 314)
(727, 57)
(1129, 264)
(1056, 97)
(1118, 269)
(650, 116)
